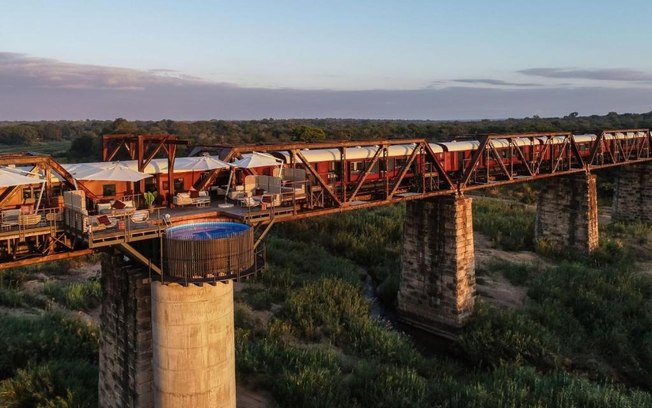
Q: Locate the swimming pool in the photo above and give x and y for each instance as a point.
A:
(206, 230)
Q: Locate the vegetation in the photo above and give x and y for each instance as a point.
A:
(76, 295)
(509, 225)
(582, 339)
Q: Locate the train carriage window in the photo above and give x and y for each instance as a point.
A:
(178, 184)
(334, 167)
(356, 167)
(376, 167)
(400, 163)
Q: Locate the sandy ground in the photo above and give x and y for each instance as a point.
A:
(494, 288)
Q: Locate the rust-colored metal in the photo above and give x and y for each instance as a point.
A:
(45, 258)
(545, 155)
(143, 148)
(317, 177)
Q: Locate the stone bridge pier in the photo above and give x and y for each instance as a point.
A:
(164, 345)
(632, 199)
(437, 288)
(567, 213)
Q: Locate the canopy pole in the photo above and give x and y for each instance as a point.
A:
(228, 186)
(40, 196)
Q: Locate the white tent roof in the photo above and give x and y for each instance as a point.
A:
(256, 159)
(110, 172)
(200, 163)
(156, 166)
(9, 178)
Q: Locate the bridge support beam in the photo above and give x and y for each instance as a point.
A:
(126, 335)
(164, 345)
(437, 288)
(194, 348)
(567, 213)
(633, 194)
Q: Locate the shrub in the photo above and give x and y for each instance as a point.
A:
(77, 295)
(508, 225)
(57, 383)
(388, 386)
(494, 337)
(35, 339)
(323, 307)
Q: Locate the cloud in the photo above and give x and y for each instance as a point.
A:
(613, 74)
(22, 71)
(498, 82)
(46, 89)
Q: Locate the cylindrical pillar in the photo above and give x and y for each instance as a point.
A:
(193, 345)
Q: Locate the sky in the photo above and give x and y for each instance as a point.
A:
(192, 59)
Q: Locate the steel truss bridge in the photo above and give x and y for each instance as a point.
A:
(497, 160)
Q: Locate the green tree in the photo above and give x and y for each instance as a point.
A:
(308, 133)
(86, 147)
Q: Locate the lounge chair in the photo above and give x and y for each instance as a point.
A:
(140, 217)
(101, 222)
(29, 220)
(10, 218)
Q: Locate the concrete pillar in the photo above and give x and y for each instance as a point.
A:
(567, 213)
(125, 378)
(633, 194)
(437, 288)
(194, 345)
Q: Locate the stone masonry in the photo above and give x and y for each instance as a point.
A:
(633, 194)
(567, 213)
(437, 289)
(126, 335)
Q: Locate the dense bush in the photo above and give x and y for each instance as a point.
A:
(370, 239)
(605, 311)
(57, 383)
(38, 339)
(325, 307)
(495, 337)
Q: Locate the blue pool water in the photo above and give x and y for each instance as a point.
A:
(206, 230)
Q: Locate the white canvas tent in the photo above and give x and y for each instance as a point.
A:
(11, 178)
(116, 171)
(256, 159)
(199, 163)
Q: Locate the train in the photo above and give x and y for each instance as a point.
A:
(511, 153)
(455, 156)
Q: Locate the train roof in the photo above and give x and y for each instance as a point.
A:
(355, 153)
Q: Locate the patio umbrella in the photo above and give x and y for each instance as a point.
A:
(200, 163)
(256, 159)
(113, 172)
(11, 178)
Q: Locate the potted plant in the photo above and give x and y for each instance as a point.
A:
(150, 197)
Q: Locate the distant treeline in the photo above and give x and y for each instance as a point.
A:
(86, 144)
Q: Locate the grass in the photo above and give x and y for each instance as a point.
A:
(37, 339)
(76, 295)
(52, 148)
(509, 225)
